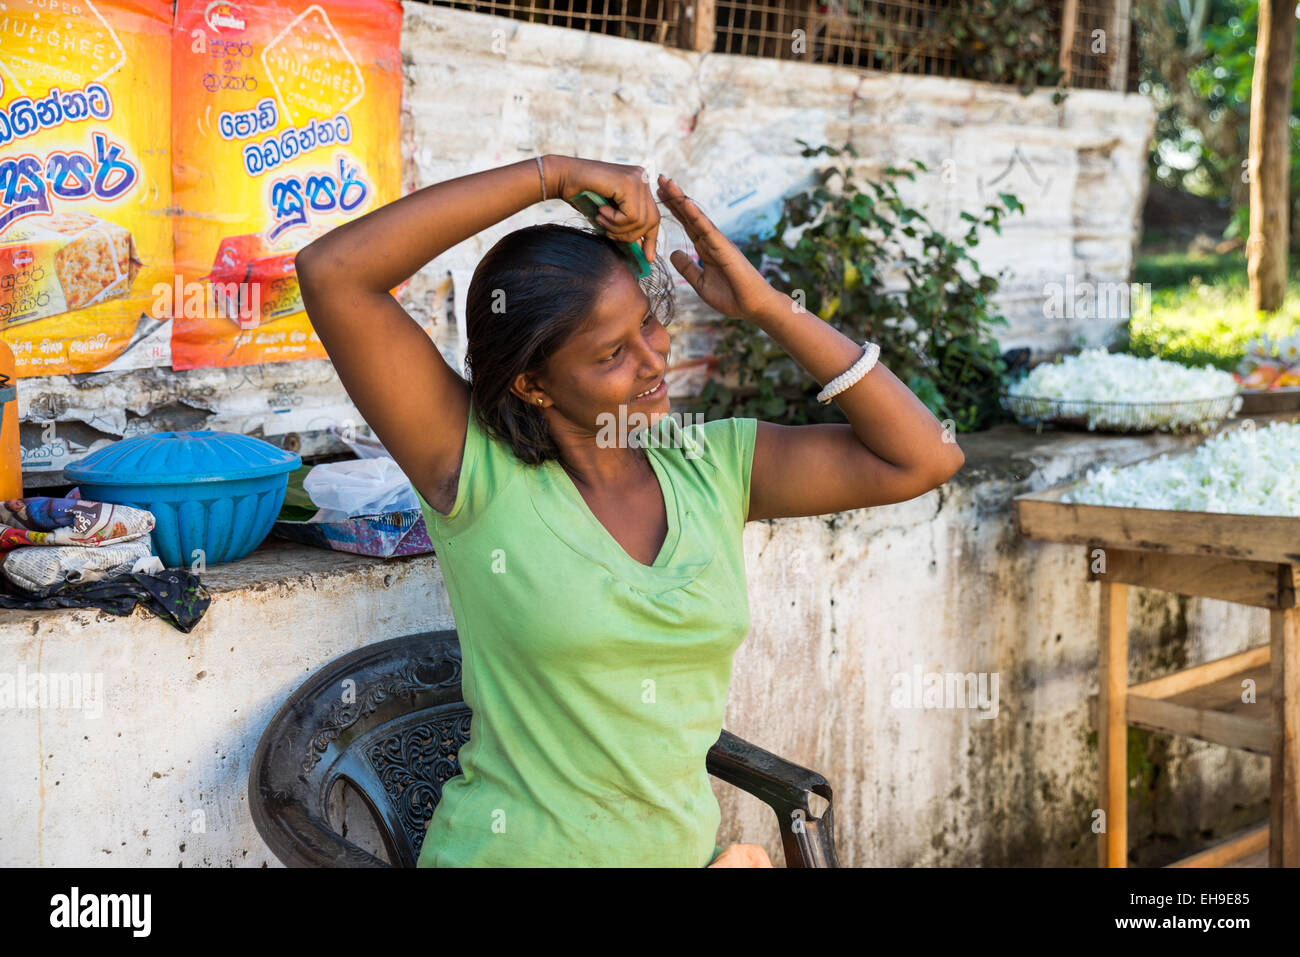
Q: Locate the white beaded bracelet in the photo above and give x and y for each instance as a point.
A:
(850, 376)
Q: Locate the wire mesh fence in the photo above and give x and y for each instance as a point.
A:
(652, 21)
(1095, 49)
(1088, 41)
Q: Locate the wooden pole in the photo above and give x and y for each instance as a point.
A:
(705, 32)
(1270, 154)
(1069, 21)
(1284, 773)
(1121, 28)
(1112, 725)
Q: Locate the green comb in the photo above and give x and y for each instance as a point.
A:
(589, 203)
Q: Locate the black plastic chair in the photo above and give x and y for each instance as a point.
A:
(396, 737)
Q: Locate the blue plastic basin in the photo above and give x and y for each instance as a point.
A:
(214, 495)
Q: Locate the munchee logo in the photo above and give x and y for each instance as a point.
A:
(221, 15)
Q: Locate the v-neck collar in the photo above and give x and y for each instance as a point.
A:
(563, 509)
(565, 481)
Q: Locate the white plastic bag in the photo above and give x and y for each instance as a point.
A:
(358, 487)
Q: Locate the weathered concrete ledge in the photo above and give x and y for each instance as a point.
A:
(839, 604)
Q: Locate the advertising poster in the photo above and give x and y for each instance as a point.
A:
(85, 176)
(284, 125)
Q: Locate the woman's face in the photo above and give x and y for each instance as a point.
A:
(622, 352)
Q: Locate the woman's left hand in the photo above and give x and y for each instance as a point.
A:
(742, 855)
(725, 279)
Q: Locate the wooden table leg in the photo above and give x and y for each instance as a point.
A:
(1112, 720)
(1284, 769)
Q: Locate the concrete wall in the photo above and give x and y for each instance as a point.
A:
(481, 91)
(839, 605)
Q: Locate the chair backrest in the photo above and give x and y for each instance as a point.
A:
(389, 719)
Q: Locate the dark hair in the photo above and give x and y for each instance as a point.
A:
(551, 276)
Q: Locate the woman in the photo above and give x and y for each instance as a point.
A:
(598, 586)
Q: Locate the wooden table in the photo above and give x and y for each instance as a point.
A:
(1249, 559)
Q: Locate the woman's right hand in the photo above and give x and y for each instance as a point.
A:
(632, 213)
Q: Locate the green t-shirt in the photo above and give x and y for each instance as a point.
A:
(597, 684)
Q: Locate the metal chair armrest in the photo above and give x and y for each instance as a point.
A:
(783, 785)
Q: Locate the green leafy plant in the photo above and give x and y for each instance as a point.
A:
(1003, 41)
(996, 41)
(934, 333)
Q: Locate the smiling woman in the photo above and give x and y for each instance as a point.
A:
(598, 587)
(552, 306)
(596, 669)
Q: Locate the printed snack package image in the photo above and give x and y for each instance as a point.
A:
(254, 282)
(55, 264)
(84, 229)
(283, 127)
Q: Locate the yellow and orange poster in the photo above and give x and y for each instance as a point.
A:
(284, 125)
(85, 178)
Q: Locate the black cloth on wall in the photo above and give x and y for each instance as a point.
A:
(173, 594)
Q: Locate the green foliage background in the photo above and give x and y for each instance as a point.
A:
(935, 333)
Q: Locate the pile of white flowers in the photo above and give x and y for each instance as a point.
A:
(1247, 471)
(1079, 386)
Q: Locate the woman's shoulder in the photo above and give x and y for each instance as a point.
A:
(718, 452)
(720, 442)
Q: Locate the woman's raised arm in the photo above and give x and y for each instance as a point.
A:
(417, 405)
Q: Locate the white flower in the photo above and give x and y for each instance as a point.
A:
(1245, 472)
(1077, 383)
